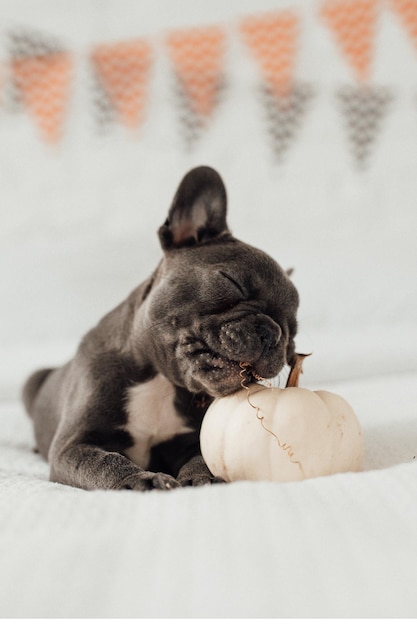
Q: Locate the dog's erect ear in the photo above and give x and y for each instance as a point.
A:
(198, 211)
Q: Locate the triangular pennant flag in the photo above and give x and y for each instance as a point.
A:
(354, 24)
(43, 83)
(284, 114)
(273, 39)
(364, 109)
(123, 71)
(197, 56)
(407, 10)
(41, 74)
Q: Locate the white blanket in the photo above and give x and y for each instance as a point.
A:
(339, 546)
(78, 231)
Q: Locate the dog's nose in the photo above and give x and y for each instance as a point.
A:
(269, 337)
(250, 339)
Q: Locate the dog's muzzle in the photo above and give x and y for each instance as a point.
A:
(249, 340)
(212, 360)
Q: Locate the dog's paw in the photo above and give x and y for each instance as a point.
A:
(198, 480)
(146, 481)
(195, 473)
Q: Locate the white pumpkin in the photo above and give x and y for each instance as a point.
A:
(261, 433)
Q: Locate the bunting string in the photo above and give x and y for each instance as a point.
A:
(39, 73)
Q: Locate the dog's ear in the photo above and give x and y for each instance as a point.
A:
(198, 211)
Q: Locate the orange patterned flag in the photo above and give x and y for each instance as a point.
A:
(43, 83)
(41, 75)
(407, 10)
(123, 69)
(354, 24)
(272, 39)
(198, 56)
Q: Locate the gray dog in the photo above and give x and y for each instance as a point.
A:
(126, 411)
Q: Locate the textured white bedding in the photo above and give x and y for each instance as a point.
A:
(77, 233)
(339, 546)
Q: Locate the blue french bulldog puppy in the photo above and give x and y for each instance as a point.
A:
(126, 411)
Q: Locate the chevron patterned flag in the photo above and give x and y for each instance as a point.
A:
(364, 106)
(273, 40)
(122, 73)
(197, 58)
(42, 72)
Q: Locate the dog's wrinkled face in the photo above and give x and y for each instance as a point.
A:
(216, 302)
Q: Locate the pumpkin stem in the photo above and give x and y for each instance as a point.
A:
(296, 370)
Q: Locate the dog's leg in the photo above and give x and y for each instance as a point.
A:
(181, 457)
(90, 467)
(196, 473)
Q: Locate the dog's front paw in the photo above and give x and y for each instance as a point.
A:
(145, 481)
(195, 473)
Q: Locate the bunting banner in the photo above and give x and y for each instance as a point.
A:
(122, 73)
(38, 75)
(273, 41)
(197, 57)
(354, 25)
(41, 75)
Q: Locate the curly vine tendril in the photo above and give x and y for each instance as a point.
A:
(245, 373)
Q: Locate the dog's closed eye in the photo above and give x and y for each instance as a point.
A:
(235, 283)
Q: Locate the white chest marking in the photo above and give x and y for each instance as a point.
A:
(152, 418)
